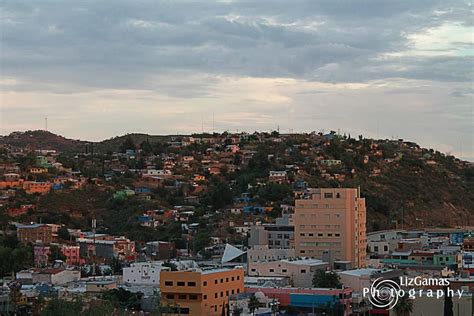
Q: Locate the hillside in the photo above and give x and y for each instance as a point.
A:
(114, 143)
(39, 139)
(404, 184)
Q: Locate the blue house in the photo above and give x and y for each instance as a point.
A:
(142, 190)
(253, 209)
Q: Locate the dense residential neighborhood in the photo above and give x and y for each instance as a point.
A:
(229, 224)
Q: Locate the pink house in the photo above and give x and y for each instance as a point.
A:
(41, 255)
(72, 254)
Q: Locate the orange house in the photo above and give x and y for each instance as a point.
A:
(11, 184)
(32, 187)
(199, 292)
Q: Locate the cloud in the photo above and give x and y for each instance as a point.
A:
(139, 64)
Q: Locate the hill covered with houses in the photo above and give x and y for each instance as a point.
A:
(148, 187)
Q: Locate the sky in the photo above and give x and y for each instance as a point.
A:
(98, 69)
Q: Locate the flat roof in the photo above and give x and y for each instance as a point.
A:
(210, 271)
(307, 261)
(361, 272)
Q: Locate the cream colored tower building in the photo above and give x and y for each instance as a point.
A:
(330, 224)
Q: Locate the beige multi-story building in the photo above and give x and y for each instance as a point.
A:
(330, 225)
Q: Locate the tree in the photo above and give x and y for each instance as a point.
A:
(59, 307)
(219, 195)
(170, 265)
(253, 304)
(56, 253)
(63, 233)
(146, 147)
(201, 241)
(223, 310)
(274, 192)
(237, 311)
(127, 144)
(404, 306)
(116, 265)
(99, 308)
(448, 304)
(122, 298)
(325, 279)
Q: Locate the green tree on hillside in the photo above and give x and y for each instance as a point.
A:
(127, 144)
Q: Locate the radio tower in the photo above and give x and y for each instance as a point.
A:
(46, 123)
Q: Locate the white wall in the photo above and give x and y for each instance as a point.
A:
(142, 273)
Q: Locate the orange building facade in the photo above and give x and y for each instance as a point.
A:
(32, 187)
(330, 224)
(199, 292)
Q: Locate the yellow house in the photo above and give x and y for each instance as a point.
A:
(38, 170)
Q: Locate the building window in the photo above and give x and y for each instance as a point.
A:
(215, 281)
(181, 283)
(227, 293)
(170, 296)
(232, 292)
(182, 296)
(272, 270)
(205, 296)
(238, 277)
(205, 283)
(168, 283)
(303, 271)
(328, 195)
(227, 279)
(222, 294)
(232, 278)
(302, 234)
(191, 283)
(222, 280)
(338, 195)
(215, 295)
(283, 270)
(193, 297)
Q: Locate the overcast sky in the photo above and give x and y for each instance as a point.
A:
(98, 69)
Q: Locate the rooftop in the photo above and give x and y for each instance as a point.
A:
(361, 272)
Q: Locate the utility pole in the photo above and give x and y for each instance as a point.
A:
(94, 253)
